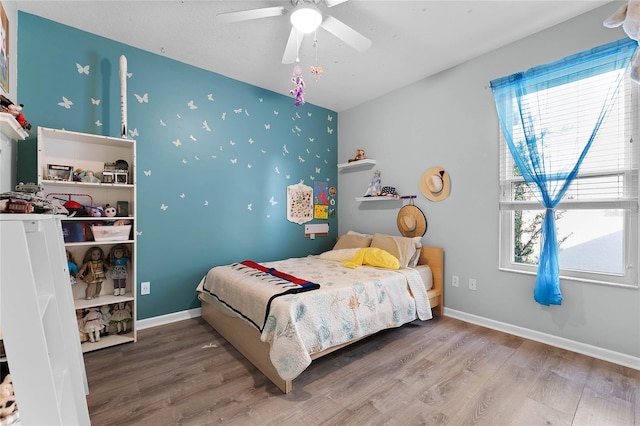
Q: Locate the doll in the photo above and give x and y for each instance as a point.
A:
(105, 310)
(93, 271)
(375, 187)
(121, 317)
(93, 324)
(118, 259)
(73, 267)
(80, 320)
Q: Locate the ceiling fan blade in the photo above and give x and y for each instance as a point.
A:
(346, 33)
(331, 3)
(293, 46)
(245, 15)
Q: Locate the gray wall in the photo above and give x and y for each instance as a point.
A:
(449, 120)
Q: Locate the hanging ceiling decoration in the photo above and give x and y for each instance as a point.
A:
(305, 18)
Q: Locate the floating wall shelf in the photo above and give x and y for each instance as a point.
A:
(357, 164)
(11, 128)
(384, 198)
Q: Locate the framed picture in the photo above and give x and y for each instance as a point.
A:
(59, 172)
(122, 208)
(4, 50)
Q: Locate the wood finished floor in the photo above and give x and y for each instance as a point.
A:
(440, 372)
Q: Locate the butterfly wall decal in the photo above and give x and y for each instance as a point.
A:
(83, 69)
(142, 99)
(66, 103)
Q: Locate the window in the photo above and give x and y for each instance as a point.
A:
(597, 219)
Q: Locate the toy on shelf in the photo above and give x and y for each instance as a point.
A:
(93, 271)
(93, 324)
(105, 310)
(6, 105)
(118, 259)
(73, 267)
(121, 317)
(375, 187)
(80, 320)
(110, 211)
(359, 156)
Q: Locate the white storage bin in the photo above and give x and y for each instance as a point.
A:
(111, 233)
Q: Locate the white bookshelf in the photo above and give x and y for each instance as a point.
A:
(39, 329)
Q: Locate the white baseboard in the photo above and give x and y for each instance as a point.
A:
(560, 342)
(167, 319)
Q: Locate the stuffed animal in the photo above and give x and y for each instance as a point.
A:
(629, 17)
(7, 397)
(6, 105)
(110, 211)
(359, 155)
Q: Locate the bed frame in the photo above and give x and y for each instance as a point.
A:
(246, 339)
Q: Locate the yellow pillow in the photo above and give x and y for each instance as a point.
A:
(374, 257)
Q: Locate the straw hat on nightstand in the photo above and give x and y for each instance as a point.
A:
(435, 184)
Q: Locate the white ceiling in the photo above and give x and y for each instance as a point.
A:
(411, 39)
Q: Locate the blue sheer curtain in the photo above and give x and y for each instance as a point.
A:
(549, 134)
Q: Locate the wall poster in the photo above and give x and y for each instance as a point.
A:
(299, 203)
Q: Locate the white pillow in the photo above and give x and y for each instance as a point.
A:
(359, 233)
(403, 248)
(341, 255)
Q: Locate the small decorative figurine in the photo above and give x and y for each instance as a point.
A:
(93, 271)
(375, 187)
(93, 324)
(118, 259)
(121, 317)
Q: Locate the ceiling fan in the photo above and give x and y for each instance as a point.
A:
(305, 18)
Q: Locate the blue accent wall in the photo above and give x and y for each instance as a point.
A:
(214, 155)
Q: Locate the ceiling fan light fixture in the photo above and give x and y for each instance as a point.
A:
(306, 17)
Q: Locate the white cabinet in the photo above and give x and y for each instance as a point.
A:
(38, 326)
(59, 150)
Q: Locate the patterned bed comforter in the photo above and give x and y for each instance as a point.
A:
(350, 304)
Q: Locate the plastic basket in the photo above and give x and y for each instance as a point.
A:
(111, 233)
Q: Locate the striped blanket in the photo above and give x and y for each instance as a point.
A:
(248, 288)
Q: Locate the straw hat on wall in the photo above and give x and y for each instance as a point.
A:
(435, 184)
(411, 221)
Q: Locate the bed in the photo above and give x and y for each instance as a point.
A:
(340, 305)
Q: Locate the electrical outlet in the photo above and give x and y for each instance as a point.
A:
(145, 287)
(455, 281)
(472, 284)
